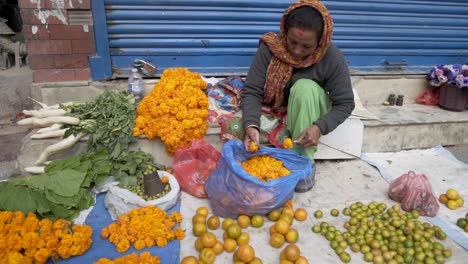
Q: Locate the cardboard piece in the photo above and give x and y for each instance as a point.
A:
(345, 142)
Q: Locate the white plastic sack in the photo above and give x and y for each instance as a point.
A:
(120, 201)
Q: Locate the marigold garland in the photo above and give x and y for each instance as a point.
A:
(175, 110)
(26, 239)
(265, 167)
(144, 258)
(144, 227)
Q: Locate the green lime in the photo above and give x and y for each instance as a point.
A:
(318, 214)
(461, 222)
(316, 229)
(334, 212)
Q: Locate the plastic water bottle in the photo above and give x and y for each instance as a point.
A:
(135, 85)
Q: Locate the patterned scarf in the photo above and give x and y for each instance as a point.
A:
(282, 63)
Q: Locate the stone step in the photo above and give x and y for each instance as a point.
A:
(413, 126)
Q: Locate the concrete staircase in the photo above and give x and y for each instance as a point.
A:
(398, 128)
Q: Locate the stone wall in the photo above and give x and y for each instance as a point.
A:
(58, 47)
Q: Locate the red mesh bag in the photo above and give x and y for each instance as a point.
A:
(193, 164)
(414, 192)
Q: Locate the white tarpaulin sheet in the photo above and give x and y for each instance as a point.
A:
(444, 172)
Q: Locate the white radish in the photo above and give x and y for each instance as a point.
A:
(57, 147)
(50, 134)
(35, 169)
(45, 113)
(47, 121)
(50, 128)
(39, 103)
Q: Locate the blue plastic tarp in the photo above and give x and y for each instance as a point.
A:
(98, 219)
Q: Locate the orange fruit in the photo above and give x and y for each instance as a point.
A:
(300, 214)
(199, 219)
(243, 239)
(208, 240)
(245, 253)
(285, 261)
(225, 235)
(282, 255)
(288, 210)
(452, 194)
(282, 226)
(257, 221)
(292, 236)
(198, 244)
(460, 202)
(234, 231)
(189, 260)
(292, 252)
(230, 245)
(452, 204)
(207, 255)
(301, 260)
(274, 214)
(443, 198)
(243, 221)
(273, 230)
(289, 218)
(227, 222)
(218, 247)
(277, 240)
(256, 260)
(213, 222)
(203, 211)
(199, 229)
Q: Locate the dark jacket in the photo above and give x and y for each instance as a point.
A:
(331, 72)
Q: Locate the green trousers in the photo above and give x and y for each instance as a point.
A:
(307, 102)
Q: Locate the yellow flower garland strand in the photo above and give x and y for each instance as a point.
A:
(144, 258)
(144, 227)
(175, 110)
(26, 239)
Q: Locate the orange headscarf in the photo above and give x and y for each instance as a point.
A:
(282, 63)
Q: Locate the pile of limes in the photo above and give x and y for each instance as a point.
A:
(463, 223)
(385, 235)
(451, 199)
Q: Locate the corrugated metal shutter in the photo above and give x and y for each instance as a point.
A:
(220, 37)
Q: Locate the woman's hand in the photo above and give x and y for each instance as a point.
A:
(310, 137)
(251, 134)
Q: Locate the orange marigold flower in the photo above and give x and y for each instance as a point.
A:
(171, 109)
(164, 179)
(42, 255)
(287, 143)
(253, 146)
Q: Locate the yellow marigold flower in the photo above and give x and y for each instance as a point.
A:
(42, 255)
(287, 143)
(164, 113)
(253, 146)
(139, 244)
(123, 245)
(265, 167)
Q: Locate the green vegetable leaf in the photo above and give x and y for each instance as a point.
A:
(66, 182)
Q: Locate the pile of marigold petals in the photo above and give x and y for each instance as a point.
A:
(265, 167)
(144, 258)
(144, 227)
(175, 110)
(26, 239)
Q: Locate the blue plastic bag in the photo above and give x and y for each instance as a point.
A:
(232, 191)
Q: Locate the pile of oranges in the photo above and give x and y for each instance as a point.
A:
(452, 199)
(237, 241)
